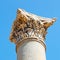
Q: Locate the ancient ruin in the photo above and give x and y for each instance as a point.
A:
(29, 27)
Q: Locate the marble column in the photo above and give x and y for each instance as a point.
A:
(28, 33)
(31, 50)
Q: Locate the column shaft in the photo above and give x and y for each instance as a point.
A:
(31, 50)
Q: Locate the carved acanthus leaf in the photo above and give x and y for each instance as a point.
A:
(28, 25)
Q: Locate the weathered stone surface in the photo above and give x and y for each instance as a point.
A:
(31, 50)
(28, 25)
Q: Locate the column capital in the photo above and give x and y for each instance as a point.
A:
(28, 25)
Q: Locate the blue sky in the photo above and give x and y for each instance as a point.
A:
(45, 8)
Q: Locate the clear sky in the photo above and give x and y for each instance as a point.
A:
(45, 8)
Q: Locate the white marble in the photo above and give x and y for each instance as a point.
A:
(31, 50)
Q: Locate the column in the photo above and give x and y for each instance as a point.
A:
(28, 33)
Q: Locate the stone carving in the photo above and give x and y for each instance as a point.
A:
(28, 25)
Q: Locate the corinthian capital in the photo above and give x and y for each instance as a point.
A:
(28, 25)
